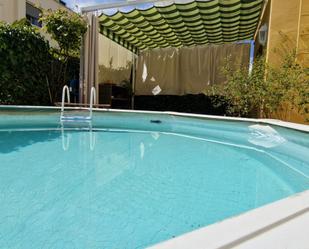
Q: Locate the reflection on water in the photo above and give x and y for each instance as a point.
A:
(66, 137)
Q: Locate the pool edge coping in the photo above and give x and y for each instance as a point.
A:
(250, 225)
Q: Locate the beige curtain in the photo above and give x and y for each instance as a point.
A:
(115, 61)
(188, 70)
(89, 59)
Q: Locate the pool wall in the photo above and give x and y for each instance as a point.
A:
(56, 110)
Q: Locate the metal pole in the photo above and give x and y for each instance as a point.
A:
(298, 28)
(261, 19)
(81, 71)
(133, 79)
(104, 6)
(251, 56)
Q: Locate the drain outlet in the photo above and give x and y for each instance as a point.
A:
(156, 121)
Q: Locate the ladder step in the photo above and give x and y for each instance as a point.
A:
(76, 118)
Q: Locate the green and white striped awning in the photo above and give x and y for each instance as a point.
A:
(183, 24)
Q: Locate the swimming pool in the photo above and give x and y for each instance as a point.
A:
(131, 180)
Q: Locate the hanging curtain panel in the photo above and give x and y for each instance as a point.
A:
(183, 24)
(188, 70)
(115, 62)
(89, 68)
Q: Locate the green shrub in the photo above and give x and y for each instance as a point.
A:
(266, 91)
(289, 88)
(24, 65)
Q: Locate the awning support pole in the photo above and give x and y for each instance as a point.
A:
(251, 60)
(251, 57)
(113, 5)
(134, 57)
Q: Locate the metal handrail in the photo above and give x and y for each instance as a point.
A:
(93, 95)
(65, 92)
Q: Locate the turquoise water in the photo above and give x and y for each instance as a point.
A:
(131, 188)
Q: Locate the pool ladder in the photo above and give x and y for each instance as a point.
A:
(76, 118)
(76, 121)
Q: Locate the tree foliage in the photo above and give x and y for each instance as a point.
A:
(67, 28)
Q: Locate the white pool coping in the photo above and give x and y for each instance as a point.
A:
(281, 224)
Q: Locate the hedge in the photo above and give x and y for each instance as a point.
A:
(24, 66)
(28, 67)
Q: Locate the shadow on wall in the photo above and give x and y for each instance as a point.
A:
(15, 140)
(114, 74)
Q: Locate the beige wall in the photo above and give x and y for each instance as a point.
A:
(288, 29)
(47, 4)
(303, 41)
(12, 10)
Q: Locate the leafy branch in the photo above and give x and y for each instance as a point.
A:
(67, 29)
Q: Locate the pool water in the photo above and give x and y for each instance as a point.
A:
(132, 188)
